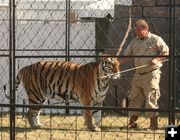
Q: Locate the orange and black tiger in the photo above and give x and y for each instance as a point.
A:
(60, 79)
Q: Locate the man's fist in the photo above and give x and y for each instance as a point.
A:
(156, 61)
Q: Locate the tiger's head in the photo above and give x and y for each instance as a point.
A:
(109, 66)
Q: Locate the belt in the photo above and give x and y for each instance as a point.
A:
(146, 72)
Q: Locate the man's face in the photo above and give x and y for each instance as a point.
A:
(141, 32)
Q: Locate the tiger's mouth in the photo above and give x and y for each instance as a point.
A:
(111, 76)
(116, 76)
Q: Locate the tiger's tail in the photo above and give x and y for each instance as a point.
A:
(17, 83)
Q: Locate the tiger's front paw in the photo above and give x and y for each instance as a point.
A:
(94, 128)
(97, 128)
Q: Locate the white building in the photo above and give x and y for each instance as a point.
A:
(41, 25)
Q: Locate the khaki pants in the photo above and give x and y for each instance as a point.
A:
(145, 92)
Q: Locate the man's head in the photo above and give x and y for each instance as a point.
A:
(141, 29)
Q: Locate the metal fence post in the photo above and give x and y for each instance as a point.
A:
(172, 61)
(116, 97)
(11, 67)
(67, 45)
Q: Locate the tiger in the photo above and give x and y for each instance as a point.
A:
(66, 80)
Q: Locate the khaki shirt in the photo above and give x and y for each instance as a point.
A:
(152, 46)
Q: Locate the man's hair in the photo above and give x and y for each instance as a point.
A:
(141, 23)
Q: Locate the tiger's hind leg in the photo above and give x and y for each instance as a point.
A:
(33, 117)
(88, 120)
(34, 112)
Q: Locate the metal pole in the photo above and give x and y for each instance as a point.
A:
(67, 28)
(12, 66)
(116, 96)
(67, 37)
(170, 83)
(172, 63)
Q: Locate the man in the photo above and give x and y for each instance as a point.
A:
(145, 83)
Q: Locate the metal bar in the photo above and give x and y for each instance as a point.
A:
(67, 37)
(91, 108)
(116, 97)
(53, 50)
(13, 66)
(10, 69)
(67, 29)
(67, 43)
(170, 60)
(173, 64)
(4, 55)
(81, 56)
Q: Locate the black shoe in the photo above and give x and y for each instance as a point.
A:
(132, 125)
(153, 127)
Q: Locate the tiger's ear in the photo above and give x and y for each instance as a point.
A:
(103, 55)
(100, 56)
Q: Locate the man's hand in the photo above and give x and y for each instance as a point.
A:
(156, 61)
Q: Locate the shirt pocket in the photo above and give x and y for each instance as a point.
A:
(152, 51)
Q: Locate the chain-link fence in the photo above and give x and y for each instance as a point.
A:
(77, 31)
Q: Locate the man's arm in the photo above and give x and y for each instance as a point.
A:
(164, 52)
